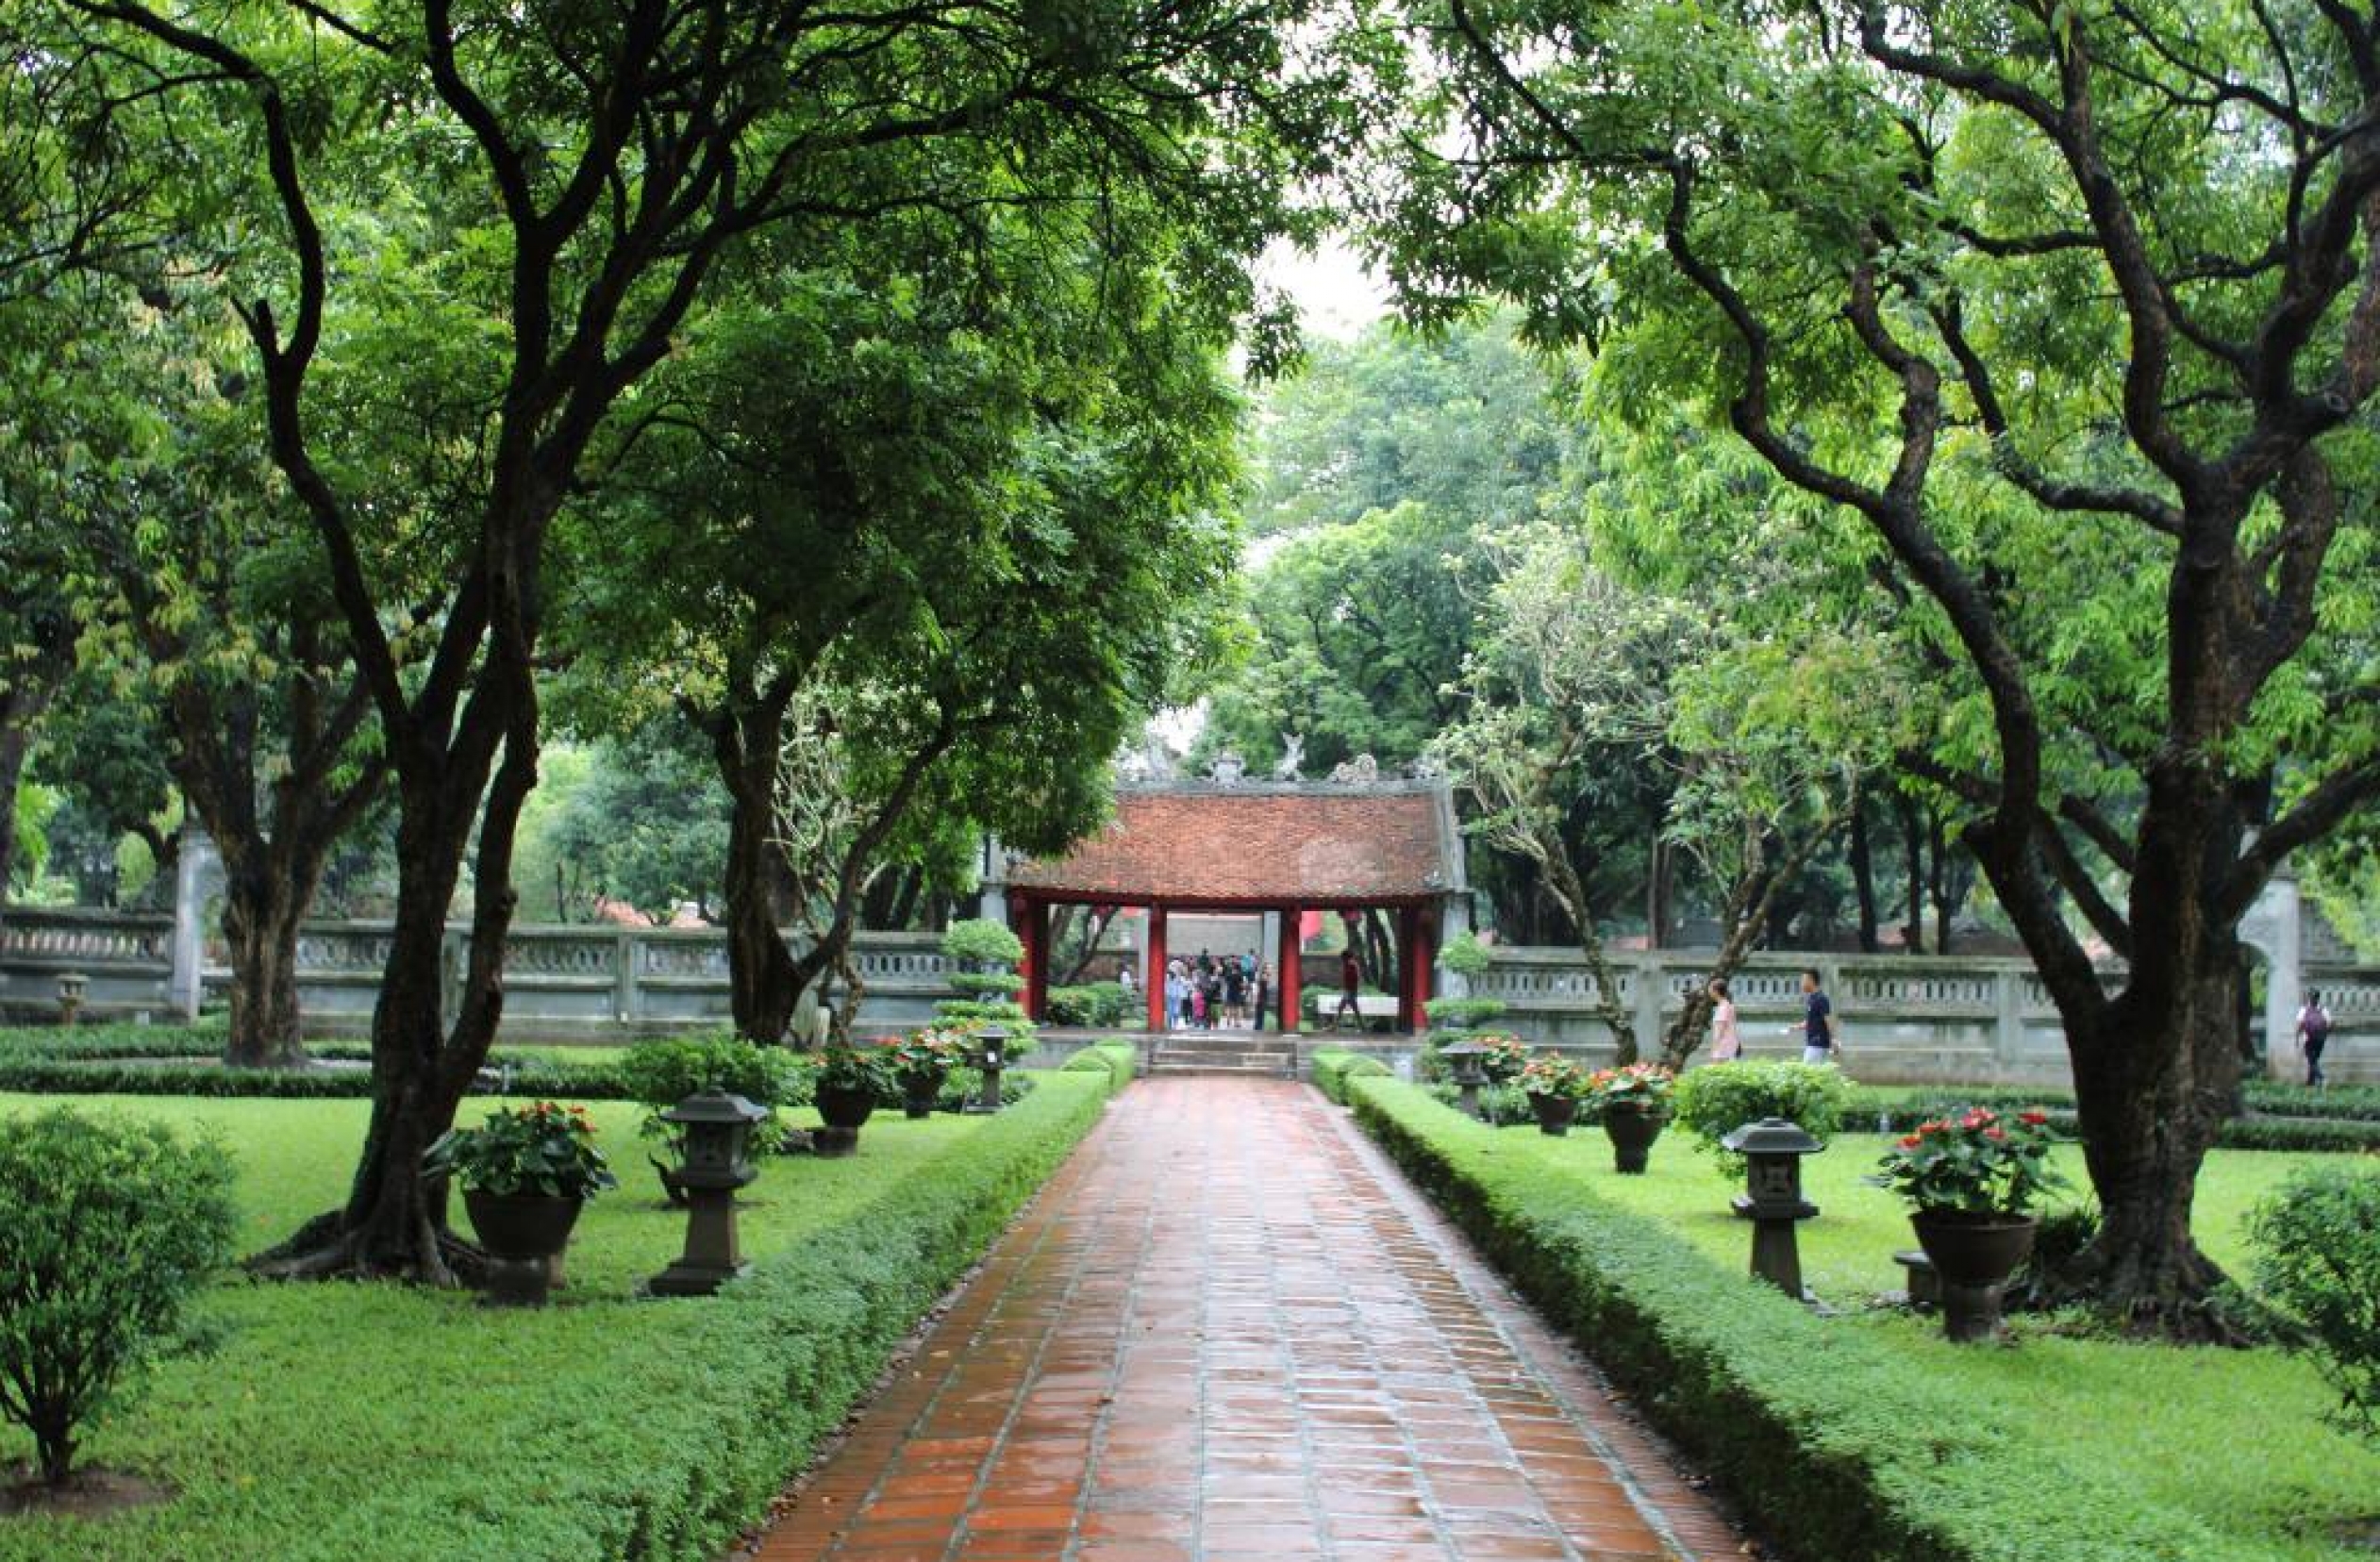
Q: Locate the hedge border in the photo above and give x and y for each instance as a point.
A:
(1116, 1060)
(1333, 1067)
(1809, 1427)
(772, 1367)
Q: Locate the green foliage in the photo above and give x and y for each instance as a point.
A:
(663, 1071)
(869, 1067)
(1837, 1440)
(1463, 1013)
(1974, 1162)
(616, 1427)
(963, 1088)
(107, 1229)
(2319, 1260)
(1097, 1005)
(541, 1149)
(980, 940)
(141, 1060)
(1465, 955)
(1549, 1073)
(1334, 1067)
(1117, 1060)
(1714, 1101)
(980, 984)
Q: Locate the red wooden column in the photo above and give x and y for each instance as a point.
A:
(1409, 929)
(1157, 967)
(1035, 932)
(1288, 997)
(1419, 967)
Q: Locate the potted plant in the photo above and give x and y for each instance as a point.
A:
(922, 1061)
(525, 1175)
(1971, 1179)
(851, 1082)
(1554, 1087)
(1633, 1104)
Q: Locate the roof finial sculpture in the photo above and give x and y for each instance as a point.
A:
(1292, 755)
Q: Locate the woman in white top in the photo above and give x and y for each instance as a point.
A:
(1725, 1044)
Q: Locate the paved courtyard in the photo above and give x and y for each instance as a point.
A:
(1229, 1330)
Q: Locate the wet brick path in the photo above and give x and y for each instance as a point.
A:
(1228, 1329)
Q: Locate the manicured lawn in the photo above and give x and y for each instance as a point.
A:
(2233, 1438)
(376, 1420)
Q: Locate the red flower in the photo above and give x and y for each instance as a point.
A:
(2033, 1119)
(1911, 1143)
(1997, 1136)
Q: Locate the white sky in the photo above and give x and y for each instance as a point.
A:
(1336, 296)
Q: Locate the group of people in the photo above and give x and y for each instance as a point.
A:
(1218, 993)
(1817, 1029)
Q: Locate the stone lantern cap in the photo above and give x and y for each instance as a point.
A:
(1770, 1137)
(715, 1109)
(1465, 1048)
(992, 1039)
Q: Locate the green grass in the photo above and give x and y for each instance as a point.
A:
(379, 1420)
(2233, 1439)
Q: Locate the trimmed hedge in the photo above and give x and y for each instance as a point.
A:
(1898, 1114)
(1335, 1067)
(1116, 1060)
(1837, 1445)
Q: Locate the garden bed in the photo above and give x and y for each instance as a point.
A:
(366, 1421)
(1865, 1436)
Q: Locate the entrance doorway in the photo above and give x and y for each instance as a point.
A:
(1222, 957)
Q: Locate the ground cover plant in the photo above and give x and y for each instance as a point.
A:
(602, 1426)
(1866, 1435)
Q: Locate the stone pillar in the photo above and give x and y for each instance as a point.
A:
(1646, 1012)
(2007, 1014)
(1454, 920)
(188, 983)
(993, 904)
(2279, 932)
(624, 977)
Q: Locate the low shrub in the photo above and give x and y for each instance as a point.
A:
(1333, 1067)
(2275, 1099)
(662, 1073)
(107, 1228)
(505, 1075)
(2318, 1260)
(1500, 1106)
(962, 1087)
(1714, 1101)
(1463, 1013)
(1094, 1004)
(981, 940)
(1834, 1442)
(1116, 1060)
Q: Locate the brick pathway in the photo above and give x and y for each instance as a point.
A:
(1228, 1329)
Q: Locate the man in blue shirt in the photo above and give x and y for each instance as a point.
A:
(1818, 1021)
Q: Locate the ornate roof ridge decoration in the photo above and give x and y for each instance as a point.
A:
(1384, 784)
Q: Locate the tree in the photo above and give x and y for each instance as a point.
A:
(1760, 743)
(541, 201)
(2040, 297)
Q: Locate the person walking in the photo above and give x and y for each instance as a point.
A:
(1262, 996)
(1726, 1045)
(1130, 980)
(2313, 1035)
(1177, 998)
(1350, 990)
(1234, 993)
(1818, 1021)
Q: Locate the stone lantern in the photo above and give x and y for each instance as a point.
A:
(1773, 1202)
(715, 1130)
(991, 1056)
(1464, 1058)
(71, 985)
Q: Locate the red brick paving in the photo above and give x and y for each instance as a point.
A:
(1229, 1330)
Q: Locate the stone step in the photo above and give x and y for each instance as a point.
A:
(1266, 1069)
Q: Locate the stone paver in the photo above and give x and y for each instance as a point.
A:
(1229, 1330)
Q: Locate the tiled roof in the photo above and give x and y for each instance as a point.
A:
(1278, 844)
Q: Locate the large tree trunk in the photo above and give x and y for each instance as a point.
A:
(1913, 843)
(764, 982)
(1863, 880)
(263, 911)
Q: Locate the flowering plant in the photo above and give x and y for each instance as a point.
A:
(1551, 1074)
(1638, 1086)
(1977, 1161)
(923, 1057)
(543, 1148)
(872, 1067)
(1504, 1057)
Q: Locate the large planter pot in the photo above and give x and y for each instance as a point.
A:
(1632, 1131)
(1974, 1254)
(920, 1095)
(843, 1111)
(1555, 1114)
(524, 1235)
